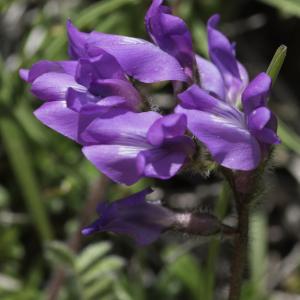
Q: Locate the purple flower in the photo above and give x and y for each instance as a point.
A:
(144, 221)
(223, 76)
(134, 217)
(140, 59)
(171, 34)
(76, 92)
(128, 146)
(235, 139)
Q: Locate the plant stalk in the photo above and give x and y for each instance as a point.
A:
(240, 251)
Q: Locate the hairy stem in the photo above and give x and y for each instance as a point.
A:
(243, 185)
(240, 251)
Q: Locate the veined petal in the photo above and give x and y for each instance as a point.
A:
(222, 54)
(210, 78)
(256, 93)
(230, 143)
(221, 50)
(171, 34)
(196, 98)
(53, 86)
(138, 58)
(123, 128)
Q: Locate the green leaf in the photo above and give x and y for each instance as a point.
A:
(289, 138)
(94, 12)
(20, 159)
(291, 7)
(98, 287)
(108, 265)
(258, 252)
(91, 255)
(186, 268)
(277, 62)
(60, 254)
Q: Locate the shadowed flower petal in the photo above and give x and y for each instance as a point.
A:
(77, 41)
(167, 127)
(121, 144)
(139, 58)
(116, 87)
(210, 77)
(257, 92)
(222, 54)
(101, 66)
(46, 66)
(133, 216)
(171, 34)
(260, 125)
(53, 86)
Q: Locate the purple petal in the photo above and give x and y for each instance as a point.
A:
(230, 144)
(134, 217)
(82, 102)
(166, 161)
(120, 139)
(258, 122)
(122, 150)
(58, 117)
(53, 86)
(257, 92)
(171, 34)
(123, 128)
(222, 54)
(118, 162)
(220, 50)
(210, 78)
(86, 103)
(102, 66)
(45, 66)
(138, 58)
(77, 41)
(221, 128)
(259, 118)
(196, 98)
(116, 87)
(24, 74)
(167, 127)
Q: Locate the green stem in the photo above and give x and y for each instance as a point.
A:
(214, 245)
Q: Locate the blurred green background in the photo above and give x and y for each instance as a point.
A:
(48, 191)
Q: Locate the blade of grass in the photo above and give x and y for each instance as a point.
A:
(214, 245)
(97, 10)
(291, 7)
(289, 138)
(20, 160)
(258, 253)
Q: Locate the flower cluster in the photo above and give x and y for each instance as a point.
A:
(93, 98)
